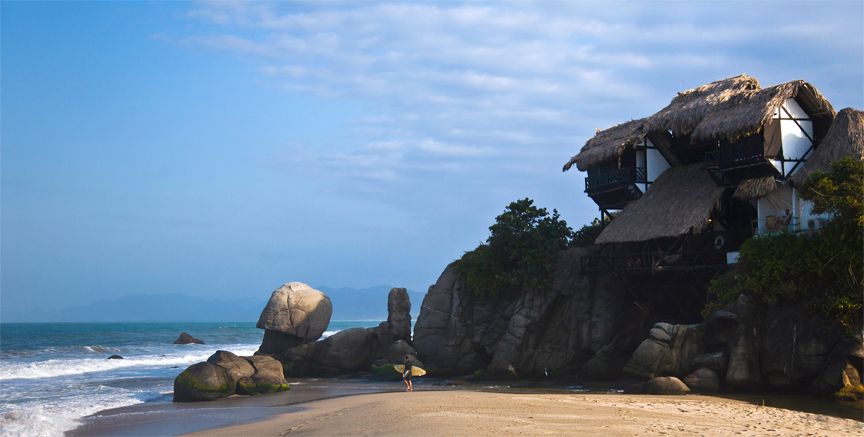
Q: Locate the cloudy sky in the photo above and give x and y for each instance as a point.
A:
(222, 149)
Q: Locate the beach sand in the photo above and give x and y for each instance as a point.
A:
(474, 413)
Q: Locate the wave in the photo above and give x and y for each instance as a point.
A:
(98, 349)
(40, 419)
(78, 366)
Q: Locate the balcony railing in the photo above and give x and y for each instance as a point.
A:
(647, 262)
(740, 155)
(615, 178)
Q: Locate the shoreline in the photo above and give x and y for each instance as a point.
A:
(242, 415)
(444, 412)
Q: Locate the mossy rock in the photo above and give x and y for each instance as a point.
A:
(203, 382)
(484, 375)
(249, 387)
(385, 373)
(850, 392)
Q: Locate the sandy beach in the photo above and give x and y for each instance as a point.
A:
(472, 413)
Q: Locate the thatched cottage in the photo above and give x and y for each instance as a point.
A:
(720, 163)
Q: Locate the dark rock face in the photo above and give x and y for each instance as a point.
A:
(733, 330)
(794, 347)
(115, 357)
(187, 339)
(670, 351)
(275, 342)
(554, 332)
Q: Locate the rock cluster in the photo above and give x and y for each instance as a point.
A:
(355, 349)
(786, 350)
(225, 374)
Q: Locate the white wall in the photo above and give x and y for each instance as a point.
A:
(657, 164)
(795, 143)
(775, 204)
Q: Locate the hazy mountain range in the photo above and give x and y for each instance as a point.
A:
(348, 304)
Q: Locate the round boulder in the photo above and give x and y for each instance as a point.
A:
(236, 367)
(703, 379)
(203, 382)
(667, 385)
(299, 312)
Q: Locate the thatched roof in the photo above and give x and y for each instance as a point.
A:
(755, 188)
(733, 108)
(844, 138)
(689, 108)
(608, 144)
(725, 109)
(680, 200)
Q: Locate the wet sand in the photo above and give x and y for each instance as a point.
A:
(168, 419)
(356, 407)
(436, 413)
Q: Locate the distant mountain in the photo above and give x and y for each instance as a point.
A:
(173, 307)
(348, 304)
(366, 303)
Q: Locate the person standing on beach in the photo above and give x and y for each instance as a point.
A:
(406, 376)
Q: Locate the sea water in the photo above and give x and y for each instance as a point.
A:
(53, 374)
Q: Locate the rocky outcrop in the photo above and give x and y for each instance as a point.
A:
(224, 374)
(187, 339)
(535, 334)
(294, 315)
(356, 349)
(670, 350)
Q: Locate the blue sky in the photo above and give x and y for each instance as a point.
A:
(222, 149)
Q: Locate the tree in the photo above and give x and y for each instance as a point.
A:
(520, 252)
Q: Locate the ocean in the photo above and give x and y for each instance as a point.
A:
(53, 374)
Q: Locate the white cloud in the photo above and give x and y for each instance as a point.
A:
(473, 88)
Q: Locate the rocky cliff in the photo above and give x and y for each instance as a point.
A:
(607, 327)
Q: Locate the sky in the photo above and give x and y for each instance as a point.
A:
(222, 149)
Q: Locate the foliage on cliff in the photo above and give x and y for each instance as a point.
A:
(520, 252)
(827, 268)
(585, 236)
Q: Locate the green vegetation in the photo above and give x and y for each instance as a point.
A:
(386, 372)
(585, 237)
(826, 269)
(519, 254)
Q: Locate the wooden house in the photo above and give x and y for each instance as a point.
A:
(715, 166)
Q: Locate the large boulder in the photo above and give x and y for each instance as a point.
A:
(346, 351)
(670, 350)
(203, 382)
(668, 385)
(296, 314)
(343, 352)
(236, 367)
(703, 379)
